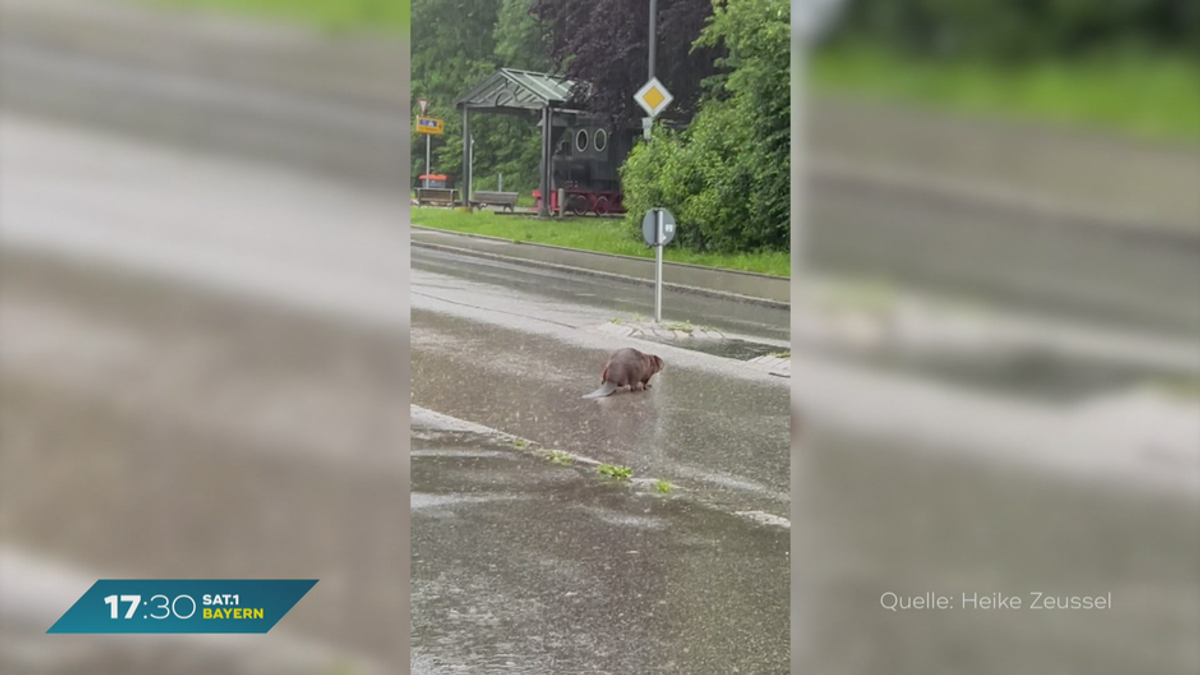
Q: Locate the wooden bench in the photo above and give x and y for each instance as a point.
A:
(507, 200)
(446, 196)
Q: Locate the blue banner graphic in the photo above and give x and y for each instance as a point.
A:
(183, 606)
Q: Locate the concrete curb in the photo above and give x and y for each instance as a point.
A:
(632, 270)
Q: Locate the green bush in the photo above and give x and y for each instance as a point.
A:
(727, 177)
(727, 194)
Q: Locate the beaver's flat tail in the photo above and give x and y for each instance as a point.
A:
(604, 390)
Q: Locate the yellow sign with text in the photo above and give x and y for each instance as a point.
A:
(430, 125)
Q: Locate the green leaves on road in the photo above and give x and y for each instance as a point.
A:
(617, 472)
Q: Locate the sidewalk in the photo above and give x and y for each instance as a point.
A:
(771, 291)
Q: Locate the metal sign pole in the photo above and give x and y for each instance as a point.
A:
(652, 35)
(653, 106)
(653, 43)
(658, 229)
(658, 261)
(423, 106)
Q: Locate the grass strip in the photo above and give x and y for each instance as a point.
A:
(598, 235)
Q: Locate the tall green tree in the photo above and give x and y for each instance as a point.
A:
(456, 44)
(452, 49)
(514, 145)
(522, 40)
(605, 43)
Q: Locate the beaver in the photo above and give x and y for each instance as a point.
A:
(627, 368)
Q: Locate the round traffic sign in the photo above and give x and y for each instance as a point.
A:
(649, 225)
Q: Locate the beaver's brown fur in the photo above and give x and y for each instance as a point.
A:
(628, 368)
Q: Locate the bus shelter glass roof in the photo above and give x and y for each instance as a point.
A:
(516, 90)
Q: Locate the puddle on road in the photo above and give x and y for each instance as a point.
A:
(729, 348)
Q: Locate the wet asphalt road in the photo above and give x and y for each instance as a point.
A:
(524, 566)
(521, 362)
(608, 298)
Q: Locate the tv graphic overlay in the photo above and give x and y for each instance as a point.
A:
(182, 606)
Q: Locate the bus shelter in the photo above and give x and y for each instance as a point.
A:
(538, 97)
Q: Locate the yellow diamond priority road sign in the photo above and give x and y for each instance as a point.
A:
(653, 97)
